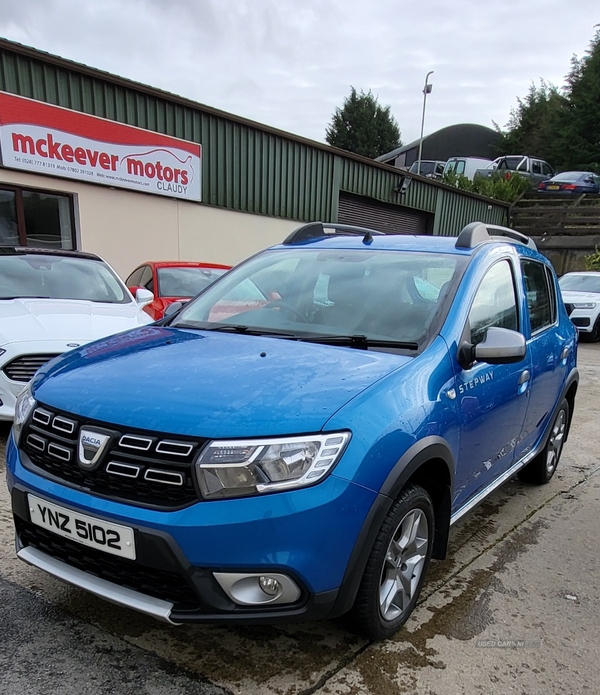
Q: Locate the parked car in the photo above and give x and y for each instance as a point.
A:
(304, 456)
(52, 301)
(431, 168)
(172, 281)
(572, 183)
(466, 166)
(534, 169)
(581, 294)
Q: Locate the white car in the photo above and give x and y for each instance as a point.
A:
(581, 294)
(52, 301)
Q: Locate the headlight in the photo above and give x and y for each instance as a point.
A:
(23, 407)
(585, 305)
(239, 469)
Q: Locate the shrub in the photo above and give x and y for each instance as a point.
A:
(592, 262)
(498, 185)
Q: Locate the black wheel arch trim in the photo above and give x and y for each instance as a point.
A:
(573, 378)
(426, 449)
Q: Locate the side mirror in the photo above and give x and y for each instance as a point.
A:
(500, 346)
(143, 296)
(173, 308)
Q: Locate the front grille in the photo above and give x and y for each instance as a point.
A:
(24, 367)
(583, 322)
(162, 584)
(143, 468)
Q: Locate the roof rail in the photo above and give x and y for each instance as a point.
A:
(479, 232)
(315, 230)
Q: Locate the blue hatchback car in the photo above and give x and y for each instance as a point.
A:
(296, 442)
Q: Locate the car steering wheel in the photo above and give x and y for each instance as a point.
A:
(280, 303)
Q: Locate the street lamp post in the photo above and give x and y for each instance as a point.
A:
(426, 91)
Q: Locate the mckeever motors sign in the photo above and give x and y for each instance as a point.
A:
(50, 140)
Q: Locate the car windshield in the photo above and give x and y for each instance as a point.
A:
(580, 283)
(59, 277)
(425, 168)
(393, 296)
(185, 282)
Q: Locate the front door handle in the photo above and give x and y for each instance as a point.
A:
(525, 377)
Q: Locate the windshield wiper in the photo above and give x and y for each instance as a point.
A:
(360, 342)
(236, 328)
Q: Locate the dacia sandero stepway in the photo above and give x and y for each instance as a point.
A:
(296, 441)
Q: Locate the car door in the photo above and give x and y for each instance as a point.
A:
(549, 347)
(492, 397)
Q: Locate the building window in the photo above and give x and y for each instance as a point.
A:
(30, 217)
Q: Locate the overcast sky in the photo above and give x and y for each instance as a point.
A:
(289, 63)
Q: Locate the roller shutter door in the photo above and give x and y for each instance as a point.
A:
(384, 217)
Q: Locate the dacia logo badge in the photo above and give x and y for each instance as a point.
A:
(91, 446)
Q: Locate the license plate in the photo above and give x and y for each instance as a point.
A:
(554, 188)
(87, 530)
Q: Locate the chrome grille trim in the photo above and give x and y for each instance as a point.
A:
(63, 425)
(120, 474)
(36, 442)
(128, 441)
(59, 452)
(122, 469)
(42, 416)
(174, 448)
(165, 477)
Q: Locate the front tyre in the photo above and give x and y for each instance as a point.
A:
(396, 568)
(595, 335)
(543, 466)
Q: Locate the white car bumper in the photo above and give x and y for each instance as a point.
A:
(18, 362)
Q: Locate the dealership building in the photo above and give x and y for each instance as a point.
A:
(95, 162)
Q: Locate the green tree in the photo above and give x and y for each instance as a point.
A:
(561, 125)
(533, 123)
(578, 131)
(363, 126)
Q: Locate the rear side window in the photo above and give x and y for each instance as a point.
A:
(134, 280)
(541, 295)
(495, 303)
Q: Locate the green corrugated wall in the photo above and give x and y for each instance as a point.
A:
(245, 167)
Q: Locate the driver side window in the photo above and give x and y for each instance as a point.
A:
(495, 303)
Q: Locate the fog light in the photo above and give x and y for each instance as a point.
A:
(269, 585)
(250, 589)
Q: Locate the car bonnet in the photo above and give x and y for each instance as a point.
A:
(210, 384)
(31, 319)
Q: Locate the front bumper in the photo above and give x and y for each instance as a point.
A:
(584, 319)
(307, 535)
(11, 388)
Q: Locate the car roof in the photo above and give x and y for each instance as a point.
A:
(28, 250)
(184, 264)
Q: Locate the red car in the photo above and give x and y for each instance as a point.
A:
(172, 281)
